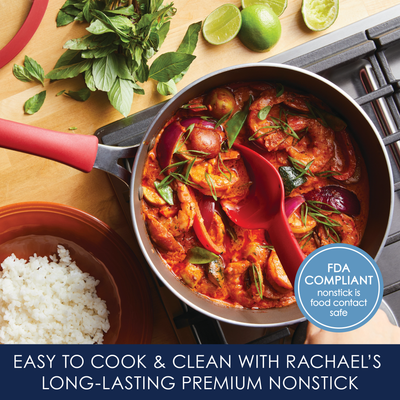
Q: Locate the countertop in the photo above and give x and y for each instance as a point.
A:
(25, 177)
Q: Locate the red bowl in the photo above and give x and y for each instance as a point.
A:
(38, 227)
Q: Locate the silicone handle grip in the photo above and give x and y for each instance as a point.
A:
(77, 151)
(288, 250)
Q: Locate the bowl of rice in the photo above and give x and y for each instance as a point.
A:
(67, 278)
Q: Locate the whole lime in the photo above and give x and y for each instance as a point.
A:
(261, 28)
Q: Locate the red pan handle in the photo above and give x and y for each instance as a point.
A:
(77, 151)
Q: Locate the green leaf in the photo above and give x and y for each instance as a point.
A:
(162, 33)
(98, 27)
(165, 192)
(69, 3)
(89, 42)
(89, 80)
(21, 73)
(34, 104)
(198, 255)
(122, 68)
(190, 39)
(71, 10)
(128, 11)
(105, 72)
(263, 113)
(291, 178)
(142, 72)
(119, 24)
(235, 124)
(167, 88)
(69, 57)
(99, 52)
(80, 95)
(166, 66)
(34, 69)
(64, 18)
(121, 96)
(69, 71)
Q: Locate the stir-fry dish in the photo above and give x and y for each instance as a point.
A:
(193, 171)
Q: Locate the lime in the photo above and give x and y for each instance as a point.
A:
(261, 28)
(222, 25)
(278, 6)
(319, 14)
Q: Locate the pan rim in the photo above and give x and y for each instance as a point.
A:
(137, 217)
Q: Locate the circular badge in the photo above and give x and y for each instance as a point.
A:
(338, 287)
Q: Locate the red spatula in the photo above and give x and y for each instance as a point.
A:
(264, 208)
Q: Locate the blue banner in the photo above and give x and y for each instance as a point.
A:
(144, 371)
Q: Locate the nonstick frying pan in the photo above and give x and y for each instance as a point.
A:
(84, 152)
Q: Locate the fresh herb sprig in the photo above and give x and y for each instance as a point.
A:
(257, 280)
(122, 37)
(313, 209)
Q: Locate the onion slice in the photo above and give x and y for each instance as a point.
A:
(337, 197)
(292, 204)
(205, 123)
(167, 143)
(207, 209)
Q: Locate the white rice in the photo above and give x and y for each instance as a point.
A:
(49, 301)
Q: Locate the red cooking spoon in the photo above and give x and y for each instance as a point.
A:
(264, 208)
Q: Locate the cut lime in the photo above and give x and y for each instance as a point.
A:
(222, 25)
(278, 6)
(319, 15)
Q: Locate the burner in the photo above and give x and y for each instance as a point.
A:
(363, 59)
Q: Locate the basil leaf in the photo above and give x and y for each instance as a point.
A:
(99, 52)
(280, 89)
(71, 10)
(166, 66)
(162, 33)
(121, 96)
(263, 113)
(104, 72)
(198, 255)
(98, 27)
(64, 18)
(122, 68)
(190, 39)
(165, 192)
(69, 3)
(137, 89)
(235, 124)
(167, 88)
(21, 73)
(69, 57)
(89, 80)
(80, 95)
(34, 104)
(128, 11)
(69, 71)
(34, 69)
(291, 178)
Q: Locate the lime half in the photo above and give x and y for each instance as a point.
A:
(222, 25)
(278, 6)
(319, 15)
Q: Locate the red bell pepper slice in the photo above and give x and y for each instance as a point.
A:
(201, 230)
